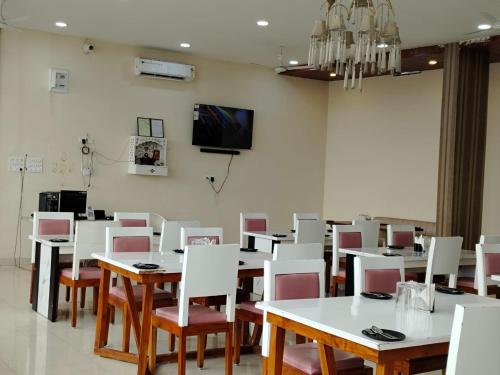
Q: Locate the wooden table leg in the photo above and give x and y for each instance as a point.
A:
(147, 307)
(102, 310)
(384, 369)
(276, 348)
(132, 308)
(327, 359)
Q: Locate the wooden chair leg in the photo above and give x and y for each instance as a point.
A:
(68, 291)
(152, 349)
(74, 300)
(171, 343)
(334, 289)
(106, 328)
(111, 314)
(126, 330)
(181, 355)
(237, 341)
(256, 334)
(95, 299)
(82, 297)
(229, 350)
(200, 351)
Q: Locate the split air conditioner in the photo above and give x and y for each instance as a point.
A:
(164, 69)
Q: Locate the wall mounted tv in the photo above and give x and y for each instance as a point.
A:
(222, 127)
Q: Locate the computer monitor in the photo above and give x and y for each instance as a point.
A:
(73, 201)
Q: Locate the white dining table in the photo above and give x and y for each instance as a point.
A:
(413, 260)
(265, 240)
(338, 323)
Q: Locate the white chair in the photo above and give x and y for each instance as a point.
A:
(371, 231)
(475, 340)
(374, 274)
(489, 239)
(128, 239)
(201, 236)
(488, 263)
(50, 224)
(343, 236)
(90, 237)
(198, 280)
(304, 216)
(298, 251)
(400, 235)
(310, 231)
(171, 233)
(444, 259)
(156, 221)
(255, 222)
(132, 219)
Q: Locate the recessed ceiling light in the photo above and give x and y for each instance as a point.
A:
(433, 62)
(484, 26)
(185, 45)
(382, 45)
(293, 62)
(333, 74)
(61, 24)
(262, 23)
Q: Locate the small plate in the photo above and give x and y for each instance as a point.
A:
(395, 247)
(391, 255)
(376, 295)
(398, 335)
(446, 290)
(241, 263)
(279, 235)
(58, 240)
(146, 266)
(247, 250)
(178, 251)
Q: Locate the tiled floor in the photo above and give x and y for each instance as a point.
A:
(30, 344)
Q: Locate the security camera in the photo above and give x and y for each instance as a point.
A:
(88, 47)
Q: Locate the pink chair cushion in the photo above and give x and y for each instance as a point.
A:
(53, 226)
(197, 315)
(297, 286)
(405, 239)
(411, 276)
(133, 223)
(350, 240)
(305, 357)
(86, 273)
(467, 282)
(492, 263)
(382, 280)
(158, 294)
(255, 225)
(250, 306)
(131, 244)
(203, 240)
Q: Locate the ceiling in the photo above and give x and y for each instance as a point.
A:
(227, 30)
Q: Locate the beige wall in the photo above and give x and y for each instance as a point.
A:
(383, 148)
(491, 197)
(284, 171)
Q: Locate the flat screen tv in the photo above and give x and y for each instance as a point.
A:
(222, 127)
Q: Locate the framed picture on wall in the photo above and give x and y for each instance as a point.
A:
(143, 127)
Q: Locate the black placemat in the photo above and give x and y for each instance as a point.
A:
(399, 336)
(446, 290)
(376, 295)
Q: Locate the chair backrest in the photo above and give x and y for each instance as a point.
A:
(201, 236)
(298, 251)
(156, 221)
(371, 231)
(304, 216)
(132, 219)
(52, 223)
(310, 231)
(374, 274)
(219, 279)
(257, 222)
(345, 236)
(487, 264)
(171, 233)
(400, 235)
(291, 279)
(489, 239)
(475, 339)
(129, 239)
(90, 237)
(444, 259)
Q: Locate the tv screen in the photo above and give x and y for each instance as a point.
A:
(224, 127)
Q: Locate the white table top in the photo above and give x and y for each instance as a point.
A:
(172, 262)
(346, 317)
(46, 240)
(270, 235)
(495, 277)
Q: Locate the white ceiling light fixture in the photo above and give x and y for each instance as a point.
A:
(293, 62)
(356, 37)
(61, 24)
(484, 26)
(185, 45)
(262, 23)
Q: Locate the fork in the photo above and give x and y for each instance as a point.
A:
(382, 333)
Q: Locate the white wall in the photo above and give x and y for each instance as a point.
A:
(491, 196)
(283, 172)
(383, 148)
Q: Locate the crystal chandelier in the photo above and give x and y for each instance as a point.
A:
(357, 37)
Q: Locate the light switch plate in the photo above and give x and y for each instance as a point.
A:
(15, 163)
(34, 165)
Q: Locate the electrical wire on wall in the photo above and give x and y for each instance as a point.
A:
(217, 191)
(18, 240)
